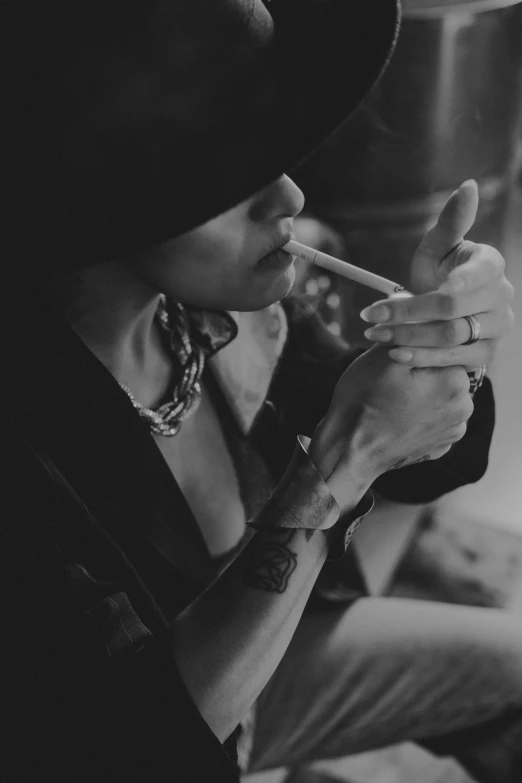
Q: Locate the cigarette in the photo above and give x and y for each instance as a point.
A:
(344, 268)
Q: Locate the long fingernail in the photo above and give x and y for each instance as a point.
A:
(376, 315)
(401, 355)
(379, 335)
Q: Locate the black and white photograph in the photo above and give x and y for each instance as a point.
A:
(261, 428)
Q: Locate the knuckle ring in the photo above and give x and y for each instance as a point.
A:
(476, 378)
(474, 326)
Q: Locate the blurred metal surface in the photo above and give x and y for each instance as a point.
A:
(448, 108)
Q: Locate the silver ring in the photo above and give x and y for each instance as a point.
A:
(474, 326)
(476, 378)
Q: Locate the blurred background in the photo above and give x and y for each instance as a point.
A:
(448, 108)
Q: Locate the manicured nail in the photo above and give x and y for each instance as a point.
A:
(401, 355)
(379, 335)
(377, 314)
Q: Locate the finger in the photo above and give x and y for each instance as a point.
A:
(476, 355)
(407, 462)
(458, 432)
(439, 305)
(485, 264)
(440, 452)
(455, 220)
(443, 334)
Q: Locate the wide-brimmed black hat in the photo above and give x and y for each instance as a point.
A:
(132, 122)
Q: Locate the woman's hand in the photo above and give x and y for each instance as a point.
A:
(385, 416)
(451, 278)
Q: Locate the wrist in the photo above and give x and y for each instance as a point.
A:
(349, 473)
(301, 500)
(340, 536)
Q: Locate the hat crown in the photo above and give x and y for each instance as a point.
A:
(130, 123)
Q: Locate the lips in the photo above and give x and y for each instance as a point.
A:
(277, 246)
(277, 259)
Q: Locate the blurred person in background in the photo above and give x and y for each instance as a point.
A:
(163, 524)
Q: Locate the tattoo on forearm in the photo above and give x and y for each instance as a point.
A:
(272, 564)
(403, 463)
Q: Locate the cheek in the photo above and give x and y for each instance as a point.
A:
(202, 284)
(225, 286)
(215, 270)
(203, 274)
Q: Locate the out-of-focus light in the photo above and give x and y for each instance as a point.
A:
(324, 282)
(333, 301)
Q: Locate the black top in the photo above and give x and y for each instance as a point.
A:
(100, 551)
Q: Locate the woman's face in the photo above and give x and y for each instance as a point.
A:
(228, 263)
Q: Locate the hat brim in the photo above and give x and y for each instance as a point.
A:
(322, 59)
(329, 56)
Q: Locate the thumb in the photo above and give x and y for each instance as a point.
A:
(455, 220)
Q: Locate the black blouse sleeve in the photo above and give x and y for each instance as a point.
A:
(88, 680)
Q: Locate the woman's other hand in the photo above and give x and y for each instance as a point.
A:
(450, 278)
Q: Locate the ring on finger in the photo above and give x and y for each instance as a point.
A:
(474, 326)
(476, 377)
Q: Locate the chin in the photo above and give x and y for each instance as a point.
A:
(244, 299)
(279, 288)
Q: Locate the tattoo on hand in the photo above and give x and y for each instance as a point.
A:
(272, 564)
(403, 463)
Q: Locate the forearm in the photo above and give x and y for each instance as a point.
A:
(228, 643)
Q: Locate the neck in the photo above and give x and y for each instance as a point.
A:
(113, 311)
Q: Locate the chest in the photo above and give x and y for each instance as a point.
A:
(200, 461)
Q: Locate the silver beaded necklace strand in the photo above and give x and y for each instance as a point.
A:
(186, 397)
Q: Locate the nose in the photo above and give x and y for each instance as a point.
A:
(281, 199)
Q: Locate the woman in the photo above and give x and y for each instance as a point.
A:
(144, 621)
